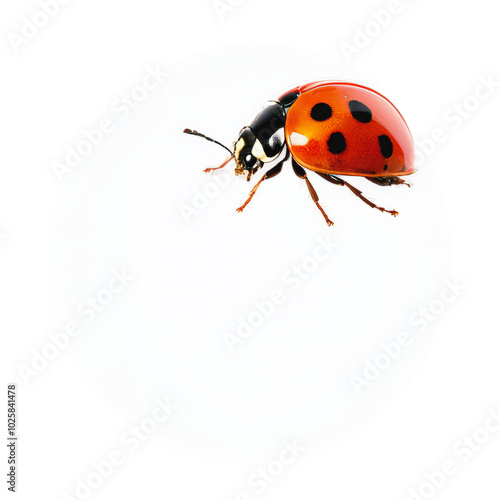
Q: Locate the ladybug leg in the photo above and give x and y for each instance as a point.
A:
(300, 172)
(335, 180)
(270, 173)
(273, 172)
(221, 166)
(388, 181)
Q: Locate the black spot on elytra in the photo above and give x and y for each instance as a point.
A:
(386, 147)
(403, 169)
(386, 167)
(321, 112)
(360, 112)
(336, 143)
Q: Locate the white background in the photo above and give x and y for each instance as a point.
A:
(194, 277)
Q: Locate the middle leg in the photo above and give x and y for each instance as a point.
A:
(300, 172)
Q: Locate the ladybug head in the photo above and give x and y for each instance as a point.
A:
(246, 162)
(262, 141)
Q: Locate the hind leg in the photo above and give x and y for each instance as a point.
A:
(341, 182)
(388, 181)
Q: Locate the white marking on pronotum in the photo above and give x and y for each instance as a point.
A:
(278, 137)
(298, 139)
(258, 150)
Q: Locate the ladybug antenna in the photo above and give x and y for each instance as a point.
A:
(194, 132)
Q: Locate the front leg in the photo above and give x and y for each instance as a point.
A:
(273, 172)
(221, 166)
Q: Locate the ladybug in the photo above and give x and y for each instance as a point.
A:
(331, 128)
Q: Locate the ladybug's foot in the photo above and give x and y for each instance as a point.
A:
(328, 221)
(395, 213)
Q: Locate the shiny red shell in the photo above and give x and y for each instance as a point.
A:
(348, 129)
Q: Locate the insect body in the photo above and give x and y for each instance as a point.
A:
(331, 128)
